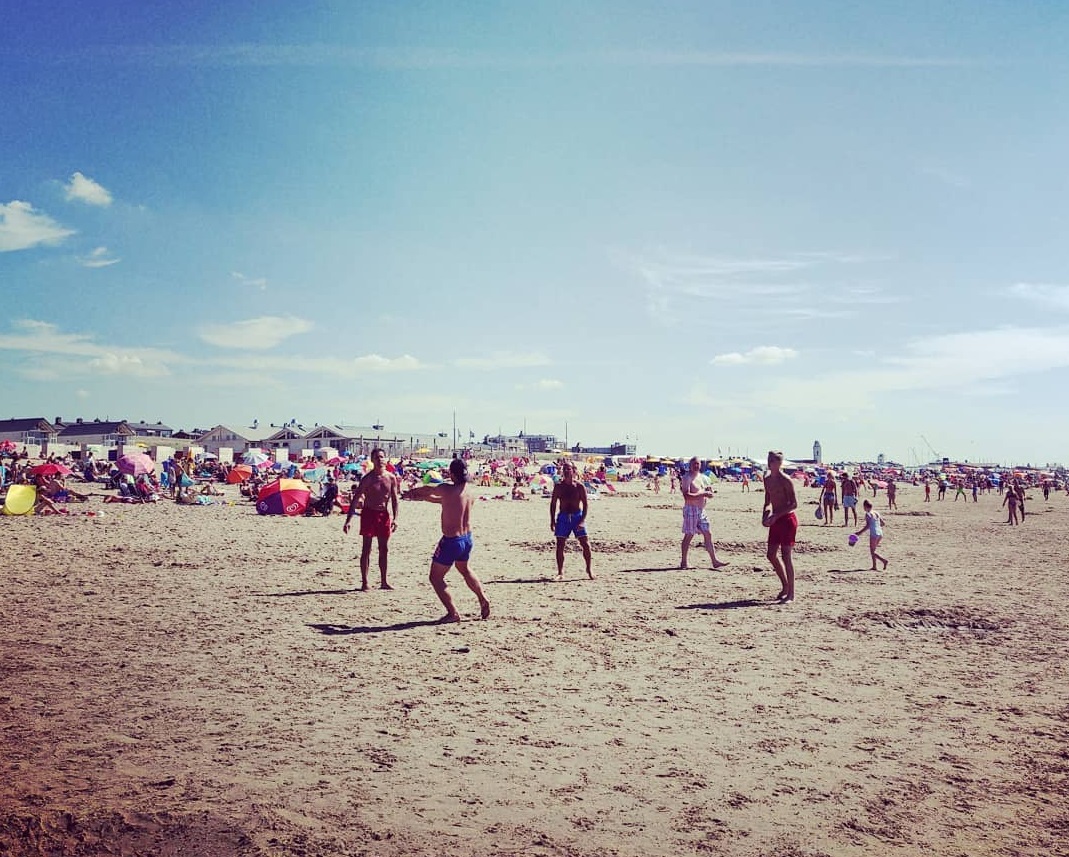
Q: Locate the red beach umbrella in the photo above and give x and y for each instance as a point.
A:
(283, 497)
(50, 468)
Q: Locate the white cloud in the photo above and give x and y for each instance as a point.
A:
(1042, 293)
(975, 361)
(503, 360)
(255, 333)
(21, 227)
(53, 354)
(763, 355)
(803, 285)
(83, 189)
(126, 363)
(256, 282)
(377, 363)
(99, 258)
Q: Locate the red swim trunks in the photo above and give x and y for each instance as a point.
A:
(783, 531)
(375, 523)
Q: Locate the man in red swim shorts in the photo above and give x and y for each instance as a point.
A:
(378, 488)
(779, 517)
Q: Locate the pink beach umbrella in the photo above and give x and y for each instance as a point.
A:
(136, 464)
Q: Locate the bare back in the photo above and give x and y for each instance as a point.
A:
(456, 504)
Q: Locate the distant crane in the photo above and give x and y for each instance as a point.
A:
(935, 455)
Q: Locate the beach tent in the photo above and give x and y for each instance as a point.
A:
(20, 500)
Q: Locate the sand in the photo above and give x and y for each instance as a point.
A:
(205, 681)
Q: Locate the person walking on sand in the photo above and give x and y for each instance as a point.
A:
(892, 492)
(696, 493)
(571, 497)
(829, 499)
(778, 515)
(874, 524)
(849, 492)
(456, 500)
(1010, 500)
(376, 495)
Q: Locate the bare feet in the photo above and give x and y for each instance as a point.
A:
(485, 612)
(386, 586)
(590, 574)
(449, 618)
(885, 565)
(683, 566)
(363, 587)
(718, 565)
(782, 595)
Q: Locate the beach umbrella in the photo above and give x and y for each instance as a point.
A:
(255, 458)
(7, 446)
(136, 464)
(239, 473)
(283, 497)
(313, 474)
(50, 468)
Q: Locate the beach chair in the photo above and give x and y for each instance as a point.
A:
(20, 500)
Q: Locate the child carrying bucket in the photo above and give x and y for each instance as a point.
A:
(874, 524)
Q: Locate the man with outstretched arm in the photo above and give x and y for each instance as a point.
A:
(456, 500)
(778, 515)
(377, 489)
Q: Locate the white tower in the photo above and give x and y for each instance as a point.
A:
(816, 452)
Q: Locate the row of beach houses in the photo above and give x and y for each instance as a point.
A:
(107, 437)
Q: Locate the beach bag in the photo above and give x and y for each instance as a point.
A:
(184, 481)
(819, 514)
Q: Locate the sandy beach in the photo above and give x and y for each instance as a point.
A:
(206, 681)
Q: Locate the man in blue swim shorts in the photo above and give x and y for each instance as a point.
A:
(456, 500)
(571, 497)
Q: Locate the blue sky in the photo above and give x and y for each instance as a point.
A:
(699, 226)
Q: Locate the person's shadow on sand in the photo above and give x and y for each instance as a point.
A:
(649, 570)
(728, 605)
(340, 630)
(304, 592)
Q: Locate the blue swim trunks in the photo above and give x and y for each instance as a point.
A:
(568, 523)
(453, 549)
(850, 501)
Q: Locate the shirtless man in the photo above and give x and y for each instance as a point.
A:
(571, 496)
(849, 492)
(456, 500)
(782, 524)
(378, 488)
(696, 493)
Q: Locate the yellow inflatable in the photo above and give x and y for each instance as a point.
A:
(20, 500)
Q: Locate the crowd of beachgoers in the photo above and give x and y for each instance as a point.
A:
(194, 479)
